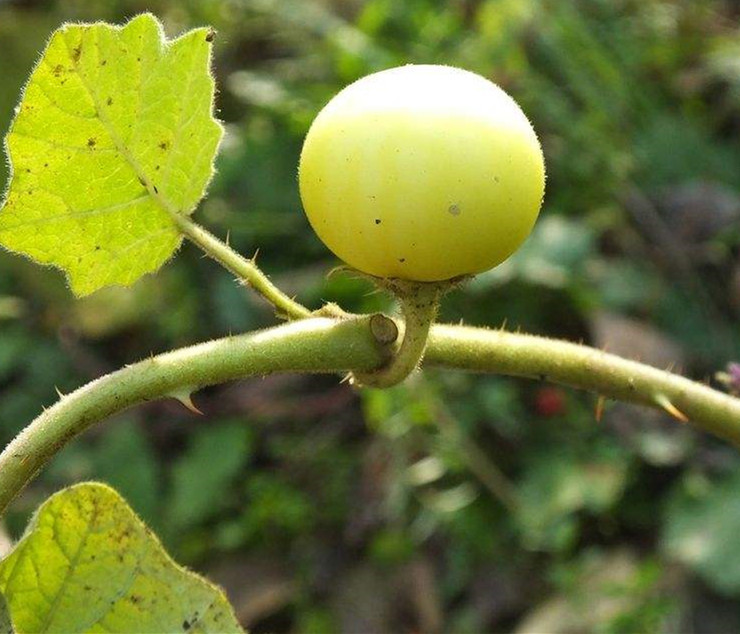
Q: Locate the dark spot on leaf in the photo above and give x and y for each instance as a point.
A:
(156, 191)
(135, 598)
(28, 170)
(186, 625)
(164, 145)
(138, 59)
(156, 167)
(104, 62)
(91, 142)
(210, 35)
(76, 52)
(97, 247)
(496, 179)
(377, 221)
(141, 181)
(46, 165)
(401, 260)
(58, 70)
(110, 101)
(454, 210)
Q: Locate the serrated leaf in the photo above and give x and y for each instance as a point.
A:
(113, 136)
(88, 564)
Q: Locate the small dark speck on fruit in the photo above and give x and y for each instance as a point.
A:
(454, 210)
(164, 145)
(97, 247)
(377, 221)
(401, 260)
(91, 142)
(46, 165)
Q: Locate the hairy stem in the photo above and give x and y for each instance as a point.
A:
(419, 305)
(246, 270)
(329, 345)
(583, 367)
(310, 345)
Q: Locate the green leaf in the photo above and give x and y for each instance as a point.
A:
(114, 136)
(88, 564)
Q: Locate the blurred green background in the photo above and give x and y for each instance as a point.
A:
(454, 503)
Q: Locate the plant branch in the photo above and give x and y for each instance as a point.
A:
(246, 270)
(309, 345)
(583, 367)
(329, 345)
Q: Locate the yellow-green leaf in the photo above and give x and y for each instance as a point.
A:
(113, 136)
(88, 564)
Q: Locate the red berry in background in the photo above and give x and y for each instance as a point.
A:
(549, 401)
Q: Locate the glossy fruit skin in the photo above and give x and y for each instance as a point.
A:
(422, 173)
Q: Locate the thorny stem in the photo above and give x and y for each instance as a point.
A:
(308, 345)
(246, 270)
(329, 345)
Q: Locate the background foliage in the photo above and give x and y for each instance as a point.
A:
(452, 503)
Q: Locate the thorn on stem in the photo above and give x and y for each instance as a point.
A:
(185, 397)
(663, 401)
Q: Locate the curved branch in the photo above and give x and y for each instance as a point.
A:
(309, 345)
(586, 368)
(419, 305)
(330, 345)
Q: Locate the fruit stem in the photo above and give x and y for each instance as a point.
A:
(419, 305)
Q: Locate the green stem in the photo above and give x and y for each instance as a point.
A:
(419, 304)
(309, 345)
(246, 270)
(582, 367)
(327, 345)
